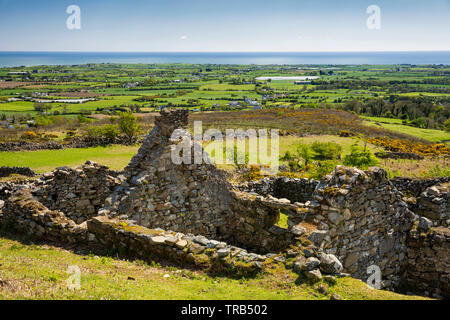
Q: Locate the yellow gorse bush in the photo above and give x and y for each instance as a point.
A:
(396, 145)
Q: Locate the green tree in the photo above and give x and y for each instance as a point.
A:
(304, 152)
(326, 150)
(128, 125)
(447, 125)
(360, 157)
(41, 107)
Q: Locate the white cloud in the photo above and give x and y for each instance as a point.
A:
(184, 37)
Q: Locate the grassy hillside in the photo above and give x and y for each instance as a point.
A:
(39, 271)
(396, 125)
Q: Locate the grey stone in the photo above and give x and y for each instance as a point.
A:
(330, 264)
(314, 275)
(312, 263)
(424, 224)
(298, 230)
(317, 236)
(223, 252)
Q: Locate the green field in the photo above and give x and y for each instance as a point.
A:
(396, 125)
(115, 157)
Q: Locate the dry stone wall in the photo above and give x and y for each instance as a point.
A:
(175, 247)
(194, 198)
(361, 219)
(434, 203)
(24, 171)
(428, 268)
(414, 187)
(296, 190)
(25, 214)
(79, 192)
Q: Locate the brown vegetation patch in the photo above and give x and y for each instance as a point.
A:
(13, 84)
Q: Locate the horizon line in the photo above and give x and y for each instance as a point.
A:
(115, 51)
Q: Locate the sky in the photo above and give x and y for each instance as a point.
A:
(224, 25)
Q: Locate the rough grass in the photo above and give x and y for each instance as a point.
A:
(39, 271)
(396, 125)
(117, 157)
(302, 121)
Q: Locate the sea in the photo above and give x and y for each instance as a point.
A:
(13, 59)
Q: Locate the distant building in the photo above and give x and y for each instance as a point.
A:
(39, 94)
(131, 85)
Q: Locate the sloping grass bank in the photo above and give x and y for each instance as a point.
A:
(31, 271)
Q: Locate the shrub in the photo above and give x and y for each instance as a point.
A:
(255, 173)
(447, 125)
(396, 145)
(288, 156)
(345, 133)
(42, 121)
(109, 132)
(326, 150)
(322, 168)
(360, 157)
(83, 119)
(50, 136)
(30, 135)
(304, 152)
(128, 125)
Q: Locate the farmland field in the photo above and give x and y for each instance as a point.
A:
(339, 104)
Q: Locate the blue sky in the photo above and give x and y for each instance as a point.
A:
(225, 25)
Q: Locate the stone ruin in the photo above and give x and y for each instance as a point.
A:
(158, 193)
(190, 215)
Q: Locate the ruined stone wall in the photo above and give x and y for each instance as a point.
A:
(190, 213)
(79, 192)
(253, 219)
(428, 268)
(182, 197)
(434, 203)
(191, 198)
(24, 171)
(175, 247)
(263, 187)
(296, 190)
(21, 212)
(414, 187)
(362, 219)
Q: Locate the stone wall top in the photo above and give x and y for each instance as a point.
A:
(171, 119)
